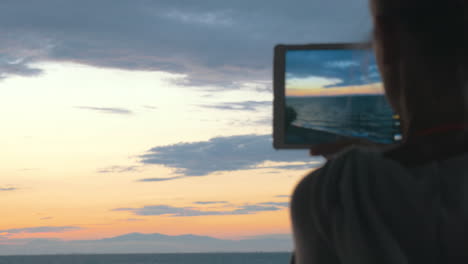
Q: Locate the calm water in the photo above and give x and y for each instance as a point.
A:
(366, 116)
(201, 258)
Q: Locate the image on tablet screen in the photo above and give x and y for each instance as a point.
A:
(336, 92)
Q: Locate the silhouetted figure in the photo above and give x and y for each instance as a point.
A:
(407, 203)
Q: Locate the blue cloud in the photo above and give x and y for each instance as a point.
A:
(118, 169)
(211, 202)
(349, 67)
(8, 189)
(133, 220)
(276, 204)
(294, 166)
(225, 154)
(240, 106)
(172, 211)
(107, 110)
(150, 107)
(210, 41)
(41, 229)
(159, 179)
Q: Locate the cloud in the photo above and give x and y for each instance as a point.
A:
(245, 121)
(41, 229)
(282, 196)
(46, 218)
(20, 48)
(240, 106)
(276, 204)
(17, 68)
(293, 167)
(171, 211)
(223, 154)
(133, 220)
(159, 179)
(29, 169)
(211, 42)
(8, 189)
(150, 107)
(347, 68)
(118, 169)
(106, 110)
(305, 166)
(211, 202)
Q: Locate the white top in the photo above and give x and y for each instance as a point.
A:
(370, 209)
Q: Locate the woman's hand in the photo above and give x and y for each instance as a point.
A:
(329, 150)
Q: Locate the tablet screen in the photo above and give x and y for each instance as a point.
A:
(331, 92)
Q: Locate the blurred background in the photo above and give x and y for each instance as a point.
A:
(148, 117)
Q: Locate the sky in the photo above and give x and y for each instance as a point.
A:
(331, 73)
(124, 116)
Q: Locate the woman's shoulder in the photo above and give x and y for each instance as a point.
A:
(353, 169)
(323, 190)
(353, 160)
(342, 162)
(323, 183)
(346, 196)
(345, 183)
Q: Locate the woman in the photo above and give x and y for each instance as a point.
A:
(409, 203)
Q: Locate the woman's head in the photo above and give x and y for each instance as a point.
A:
(422, 51)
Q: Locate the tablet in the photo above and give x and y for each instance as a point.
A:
(327, 92)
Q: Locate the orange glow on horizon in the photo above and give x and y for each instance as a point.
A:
(223, 227)
(334, 91)
(69, 169)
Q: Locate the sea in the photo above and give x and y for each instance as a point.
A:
(364, 116)
(194, 258)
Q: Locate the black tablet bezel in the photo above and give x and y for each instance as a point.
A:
(279, 70)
